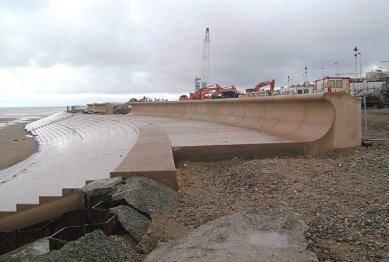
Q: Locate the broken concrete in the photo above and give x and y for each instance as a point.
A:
(101, 190)
(102, 187)
(133, 222)
(146, 195)
(161, 230)
(241, 236)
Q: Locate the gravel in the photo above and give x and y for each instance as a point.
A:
(343, 196)
(94, 246)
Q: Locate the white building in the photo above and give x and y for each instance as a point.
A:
(376, 75)
(337, 83)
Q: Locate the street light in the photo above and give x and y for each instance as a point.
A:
(336, 67)
(360, 63)
(322, 86)
(356, 62)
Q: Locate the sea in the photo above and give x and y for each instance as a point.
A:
(30, 111)
(26, 114)
(12, 115)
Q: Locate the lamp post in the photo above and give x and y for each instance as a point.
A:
(360, 64)
(306, 76)
(356, 62)
(322, 84)
(336, 68)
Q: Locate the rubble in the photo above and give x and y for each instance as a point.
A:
(146, 195)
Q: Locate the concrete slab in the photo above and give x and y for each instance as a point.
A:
(241, 236)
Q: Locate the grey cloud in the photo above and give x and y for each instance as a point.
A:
(159, 51)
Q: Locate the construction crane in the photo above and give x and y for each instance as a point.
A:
(202, 78)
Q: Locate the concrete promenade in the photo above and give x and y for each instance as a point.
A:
(79, 148)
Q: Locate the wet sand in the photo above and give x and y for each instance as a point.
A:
(15, 145)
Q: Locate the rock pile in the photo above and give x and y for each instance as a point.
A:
(153, 236)
(147, 200)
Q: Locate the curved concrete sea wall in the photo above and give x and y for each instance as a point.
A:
(321, 121)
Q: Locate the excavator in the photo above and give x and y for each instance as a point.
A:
(254, 92)
(212, 92)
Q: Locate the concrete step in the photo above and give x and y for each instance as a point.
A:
(24, 207)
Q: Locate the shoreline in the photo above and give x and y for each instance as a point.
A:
(16, 145)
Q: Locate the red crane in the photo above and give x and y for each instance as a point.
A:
(212, 92)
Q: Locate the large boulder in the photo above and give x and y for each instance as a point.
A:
(135, 223)
(241, 236)
(162, 229)
(101, 190)
(146, 195)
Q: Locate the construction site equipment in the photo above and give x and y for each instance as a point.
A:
(255, 92)
(212, 92)
(202, 78)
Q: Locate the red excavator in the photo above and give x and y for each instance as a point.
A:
(212, 92)
(254, 92)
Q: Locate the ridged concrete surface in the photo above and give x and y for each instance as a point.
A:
(74, 149)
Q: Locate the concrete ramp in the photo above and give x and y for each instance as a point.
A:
(321, 122)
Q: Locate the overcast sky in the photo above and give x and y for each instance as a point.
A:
(66, 52)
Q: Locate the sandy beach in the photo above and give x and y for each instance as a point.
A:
(15, 144)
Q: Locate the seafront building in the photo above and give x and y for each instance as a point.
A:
(374, 86)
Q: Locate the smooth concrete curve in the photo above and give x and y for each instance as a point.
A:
(321, 122)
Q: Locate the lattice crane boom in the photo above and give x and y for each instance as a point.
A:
(202, 79)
